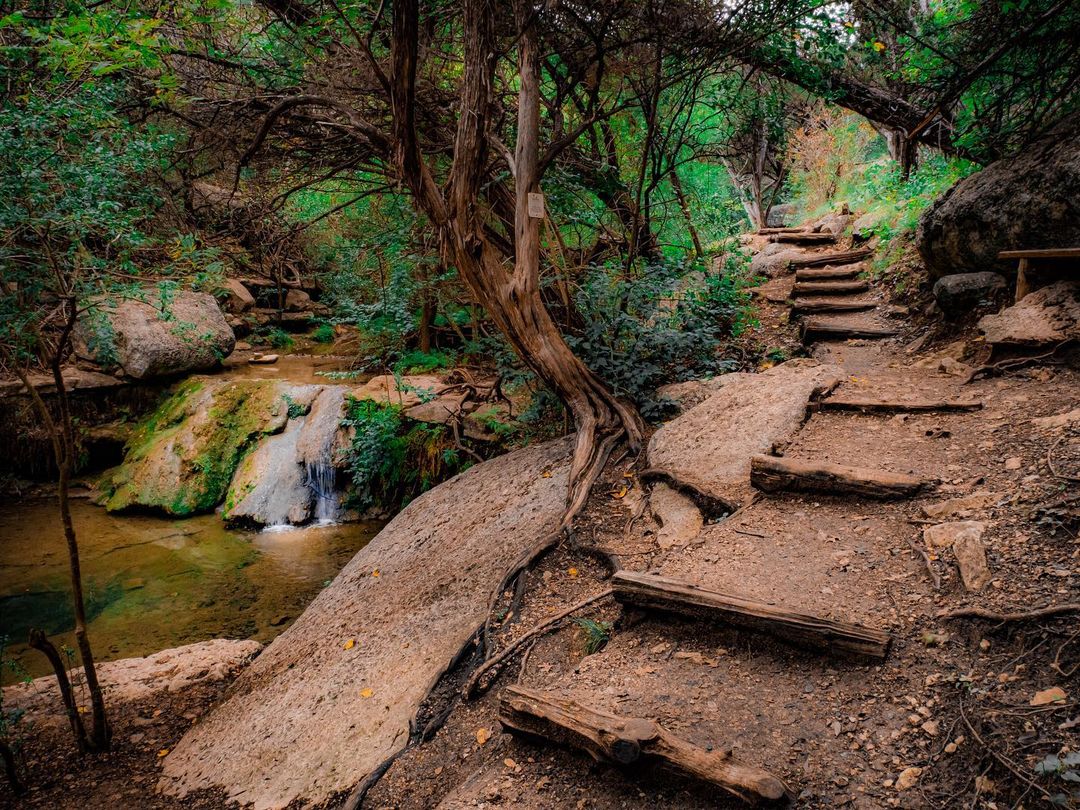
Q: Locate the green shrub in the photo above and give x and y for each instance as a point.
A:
(324, 333)
(418, 362)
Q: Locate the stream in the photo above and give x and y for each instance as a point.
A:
(153, 582)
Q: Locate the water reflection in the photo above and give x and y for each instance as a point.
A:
(154, 582)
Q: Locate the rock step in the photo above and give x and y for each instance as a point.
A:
(803, 288)
(841, 273)
(628, 741)
(811, 306)
(814, 329)
(872, 405)
(775, 474)
(654, 592)
(822, 259)
(804, 238)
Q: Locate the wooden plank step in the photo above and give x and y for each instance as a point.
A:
(629, 741)
(822, 259)
(829, 287)
(812, 306)
(775, 474)
(804, 238)
(791, 229)
(806, 630)
(841, 273)
(875, 405)
(814, 329)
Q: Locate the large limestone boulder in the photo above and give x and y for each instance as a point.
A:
(189, 334)
(781, 215)
(182, 456)
(774, 263)
(1029, 201)
(335, 695)
(711, 444)
(1042, 318)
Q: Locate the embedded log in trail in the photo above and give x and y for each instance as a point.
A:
(829, 288)
(816, 329)
(842, 273)
(804, 238)
(774, 474)
(822, 259)
(629, 740)
(794, 229)
(802, 629)
(870, 405)
(812, 306)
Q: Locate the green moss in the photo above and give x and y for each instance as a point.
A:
(183, 456)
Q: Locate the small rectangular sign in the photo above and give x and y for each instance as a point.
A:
(536, 205)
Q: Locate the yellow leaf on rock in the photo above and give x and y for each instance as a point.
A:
(621, 493)
(375, 573)
(163, 752)
(546, 474)
(366, 693)
(482, 735)
(348, 645)
(573, 572)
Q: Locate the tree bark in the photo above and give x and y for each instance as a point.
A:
(684, 206)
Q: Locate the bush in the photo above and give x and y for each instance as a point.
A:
(666, 325)
(392, 460)
(418, 362)
(324, 333)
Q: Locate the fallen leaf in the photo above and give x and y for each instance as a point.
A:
(573, 572)
(482, 736)
(163, 752)
(509, 763)
(348, 645)
(621, 493)
(367, 692)
(1055, 694)
(375, 573)
(546, 474)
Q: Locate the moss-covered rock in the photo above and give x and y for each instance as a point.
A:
(182, 456)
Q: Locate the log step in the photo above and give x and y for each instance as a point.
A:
(844, 272)
(829, 288)
(822, 259)
(871, 405)
(811, 306)
(792, 229)
(629, 741)
(688, 599)
(804, 238)
(775, 474)
(814, 329)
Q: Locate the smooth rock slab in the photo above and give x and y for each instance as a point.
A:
(134, 679)
(301, 723)
(711, 444)
(1042, 318)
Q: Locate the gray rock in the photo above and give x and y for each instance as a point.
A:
(314, 714)
(780, 215)
(270, 485)
(964, 537)
(192, 335)
(775, 263)
(1044, 317)
(962, 292)
(1029, 201)
(298, 301)
(836, 224)
(236, 297)
(710, 445)
(680, 519)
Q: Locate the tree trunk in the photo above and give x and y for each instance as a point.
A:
(511, 297)
(684, 205)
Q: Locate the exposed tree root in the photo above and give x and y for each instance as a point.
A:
(473, 682)
(1012, 364)
(712, 507)
(1019, 616)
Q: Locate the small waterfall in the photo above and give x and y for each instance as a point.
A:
(321, 480)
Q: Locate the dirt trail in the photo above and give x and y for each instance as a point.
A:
(952, 702)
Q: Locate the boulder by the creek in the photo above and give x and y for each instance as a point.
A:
(138, 679)
(147, 339)
(1019, 203)
(1047, 316)
(337, 693)
(962, 292)
(710, 445)
(236, 298)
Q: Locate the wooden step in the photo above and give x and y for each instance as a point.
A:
(804, 238)
(792, 229)
(829, 288)
(845, 271)
(812, 306)
(775, 474)
(689, 599)
(626, 741)
(822, 259)
(814, 329)
(875, 405)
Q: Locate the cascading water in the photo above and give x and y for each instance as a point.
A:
(321, 480)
